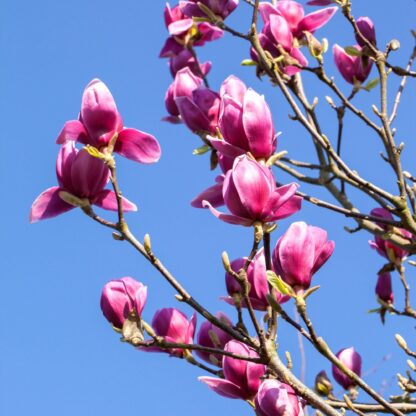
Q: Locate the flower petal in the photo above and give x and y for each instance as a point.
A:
(73, 130)
(106, 199)
(48, 204)
(315, 20)
(223, 387)
(228, 218)
(213, 195)
(138, 146)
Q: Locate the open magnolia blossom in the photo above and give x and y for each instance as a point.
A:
(81, 182)
(251, 195)
(220, 8)
(242, 379)
(100, 122)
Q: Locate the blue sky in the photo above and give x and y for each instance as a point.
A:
(57, 353)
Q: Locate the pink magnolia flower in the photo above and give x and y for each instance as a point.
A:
(277, 399)
(200, 110)
(352, 68)
(241, 378)
(385, 248)
(221, 8)
(352, 360)
(284, 26)
(211, 336)
(251, 195)
(83, 177)
(245, 122)
(300, 253)
(183, 85)
(184, 31)
(257, 278)
(99, 121)
(366, 26)
(185, 59)
(173, 326)
(121, 297)
(384, 289)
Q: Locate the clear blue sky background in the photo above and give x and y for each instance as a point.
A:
(58, 355)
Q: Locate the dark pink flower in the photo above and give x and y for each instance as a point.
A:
(184, 31)
(121, 297)
(173, 326)
(183, 85)
(213, 195)
(99, 121)
(81, 176)
(211, 336)
(221, 8)
(245, 122)
(352, 360)
(366, 26)
(384, 289)
(320, 2)
(353, 68)
(200, 110)
(241, 378)
(385, 248)
(251, 195)
(300, 253)
(277, 399)
(257, 278)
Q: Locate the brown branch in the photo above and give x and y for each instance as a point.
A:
(370, 407)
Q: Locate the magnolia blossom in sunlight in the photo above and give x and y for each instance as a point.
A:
(242, 379)
(384, 290)
(100, 122)
(245, 122)
(221, 8)
(183, 85)
(352, 68)
(284, 27)
(352, 360)
(300, 253)
(200, 110)
(367, 29)
(277, 399)
(211, 336)
(184, 32)
(257, 278)
(251, 195)
(81, 182)
(120, 298)
(173, 326)
(385, 248)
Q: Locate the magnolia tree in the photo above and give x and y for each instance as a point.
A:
(235, 125)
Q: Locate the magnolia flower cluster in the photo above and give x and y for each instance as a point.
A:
(82, 177)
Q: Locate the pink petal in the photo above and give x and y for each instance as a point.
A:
(228, 218)
(234, 87)
(223, 387)
(73, 130)
(281, 31)
(180, 27)
(266, 10)
(208, 32)
(48, 204)
(106, 199)
(138, 146)
(192, 115)
(66, 156)
(291, 11)
(226, 148)
(170, 48)
(315, 20)
(212, 194)
(258, 124)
